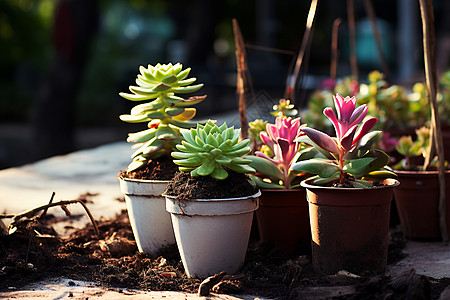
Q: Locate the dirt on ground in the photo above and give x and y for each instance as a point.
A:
(110, 259)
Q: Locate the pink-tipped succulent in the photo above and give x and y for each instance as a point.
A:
(274, 172)
(348, 156)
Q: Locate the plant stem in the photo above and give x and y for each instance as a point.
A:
(341, 166)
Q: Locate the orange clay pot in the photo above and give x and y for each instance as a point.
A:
(350, 227)
(283, 220)
(417, 200)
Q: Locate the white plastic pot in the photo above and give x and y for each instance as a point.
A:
(150, 222)
(212, 234)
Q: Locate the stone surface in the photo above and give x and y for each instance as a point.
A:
(95, 171)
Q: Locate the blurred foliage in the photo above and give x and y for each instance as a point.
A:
(396, 107)
(24, 53)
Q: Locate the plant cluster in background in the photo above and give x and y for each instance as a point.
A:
(395, 107)
(209, 149)
(165, 114)
(414, 150)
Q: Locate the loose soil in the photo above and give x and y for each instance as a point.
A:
(35, 251)
(162, 168)
(205, 187)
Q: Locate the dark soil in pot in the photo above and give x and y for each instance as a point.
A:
(162, 168)
(111, 260)
(205, 187)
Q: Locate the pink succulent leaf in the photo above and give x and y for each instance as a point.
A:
(338, 100)
(364, 129)
(266, 140)
(322, 140)
(284, 131)
(260, 154)
(272, 131)
(329, 112)
(347, 108)
(288, 151)
(358, 115)
(347, 139)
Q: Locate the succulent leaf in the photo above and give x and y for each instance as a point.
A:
(211, 156)
(134, 119)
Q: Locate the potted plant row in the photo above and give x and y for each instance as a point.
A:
(349, 197)
(147, 176)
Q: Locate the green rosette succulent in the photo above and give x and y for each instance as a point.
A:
(166, 113)
(209, 149)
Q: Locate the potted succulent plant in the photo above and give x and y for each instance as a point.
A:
(417, 198)
(283, 214)
(349, 197)
(212, 200)
(151, 168)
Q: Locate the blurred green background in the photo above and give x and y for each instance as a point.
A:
(113, 37)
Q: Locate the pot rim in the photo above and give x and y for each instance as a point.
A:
(256, 195)
(413, 172)
(142, 180)
(282, 190)
(391, 182)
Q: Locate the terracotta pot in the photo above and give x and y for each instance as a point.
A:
(212, 234)
(283, 220)
(151, 224)
(417, 200)
(350, 227)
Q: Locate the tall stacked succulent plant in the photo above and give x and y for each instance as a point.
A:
(166, 113)
(209, 149)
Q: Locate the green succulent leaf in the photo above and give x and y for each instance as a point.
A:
(188, 89)
(206, 168)
(164, 132)
(264, 184)
(356, 167)
(322, 167)
(170, 79)
(174, 111)
(134, 119)
(183, 74)
(162, 87)
(187, 81)
(135, 97)
(317, 180)
(156, 115)
(264, 166)
(141, 136)
(145, 107)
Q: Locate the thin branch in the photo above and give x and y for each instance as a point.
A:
(352, 34)
(241, 69)
(292, 78)
(30, 213)
(270, 49)
(426, 9)
(334, 48)
(49, 202)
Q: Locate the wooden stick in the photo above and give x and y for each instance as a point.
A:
(292, 78)
(376, 34)
(49, 202)
(31, 212)
(352, 34)
(426, 9)
(241, 69)
(334, 48)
